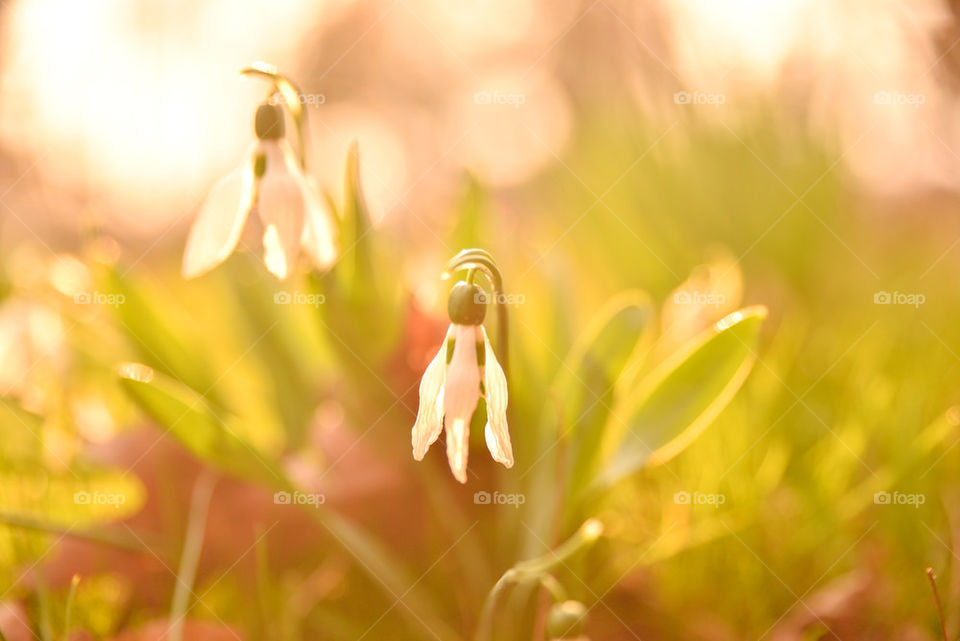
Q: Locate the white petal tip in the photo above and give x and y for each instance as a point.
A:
(280, 273)
(189, 271)
(501, 452)
(506, 462)
(323, 258)
(194, 265)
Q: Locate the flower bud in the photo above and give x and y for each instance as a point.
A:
(269, 122)
(467, 304)
(567, 620)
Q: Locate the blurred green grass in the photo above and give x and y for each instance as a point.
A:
(846, 398)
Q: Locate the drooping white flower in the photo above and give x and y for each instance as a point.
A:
(293, 216)
(464, 369)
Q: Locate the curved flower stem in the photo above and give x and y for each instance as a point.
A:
(291, 98)
(503, 335)
(479, 260)
(556, 590)
(536, 570)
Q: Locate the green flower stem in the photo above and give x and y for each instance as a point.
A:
(554, 587)
(503, 335)
(291, 97)
(535, 570)
(479, 260)
(187, 572)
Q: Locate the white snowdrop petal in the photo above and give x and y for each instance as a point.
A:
(219, 224)
(492, 443)
(281, 206)
(458, 443)
(460, 396)
(429, 421)
(319, 239)
(275, 256)
(496, 431)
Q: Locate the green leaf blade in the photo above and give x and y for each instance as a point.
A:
(213, 438)
(666, 411)
(585, 384)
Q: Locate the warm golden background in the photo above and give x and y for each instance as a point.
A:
(799, 154)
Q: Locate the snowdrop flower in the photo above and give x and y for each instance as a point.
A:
(464, 369)
(292, 215)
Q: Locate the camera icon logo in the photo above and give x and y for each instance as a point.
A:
(681, 98)
(681, 498)
(482, 98)
(282, 298)
(882, 298)
(881, 498)
(81, 498)
(481, 498)
(682, 298)
(82, 298)
(281, 498)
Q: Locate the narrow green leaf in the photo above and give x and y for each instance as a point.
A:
(363, 312)
(670, 408)
(158, 343)
(356, 241)
(211, 435)
(473, 212)
(584, 386)
(577, 407)
(192, 548)
(219, 441)
(74, 582)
